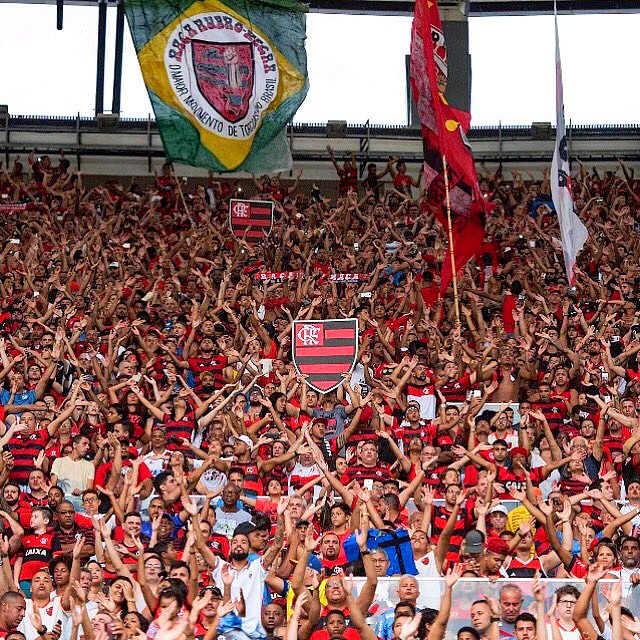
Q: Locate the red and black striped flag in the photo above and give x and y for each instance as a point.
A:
(324, 350)
(256, 214)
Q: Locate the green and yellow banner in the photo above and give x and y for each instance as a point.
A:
(224, 78)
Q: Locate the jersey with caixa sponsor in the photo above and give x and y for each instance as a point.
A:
(37, 551)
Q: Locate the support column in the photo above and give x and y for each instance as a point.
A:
(117, 64)
(456, 35)
(102, 38)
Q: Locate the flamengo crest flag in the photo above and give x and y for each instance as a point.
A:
(224, 78)
(444, 133)
(250, 219)
(324, 350)
(572, 232)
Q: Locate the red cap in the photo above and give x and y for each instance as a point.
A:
(519, 451)
(497, 545)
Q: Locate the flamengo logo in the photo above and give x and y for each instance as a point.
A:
(241, 209)
(324, 351)
(309, 335)
(223, 72)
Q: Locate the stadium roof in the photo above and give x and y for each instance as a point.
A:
(405, 7)
(480, 7)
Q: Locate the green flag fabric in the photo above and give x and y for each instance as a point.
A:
(224, 78)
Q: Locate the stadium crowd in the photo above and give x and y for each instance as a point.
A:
(166, 472)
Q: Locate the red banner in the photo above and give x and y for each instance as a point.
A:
(444, 133)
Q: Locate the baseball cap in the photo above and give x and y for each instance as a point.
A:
(518, 451)
(245, 439)
(215, 592)
(314, 563)
(244, 529)
(500, 508)
(498, 546)
(474, 541)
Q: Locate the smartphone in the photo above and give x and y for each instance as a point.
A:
(469, 394)
(36, 294)
(605, 376)
(532, 244)
(368, 484)
(126, 245)
(477, 393)
(356, 246)
(15, 241)
(365, 294)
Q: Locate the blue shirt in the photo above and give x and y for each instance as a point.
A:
(28, 396)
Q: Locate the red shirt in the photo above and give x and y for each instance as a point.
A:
(102, 473)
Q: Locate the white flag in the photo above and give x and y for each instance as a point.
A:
(572, 232)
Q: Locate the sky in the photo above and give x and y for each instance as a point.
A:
(356, 67)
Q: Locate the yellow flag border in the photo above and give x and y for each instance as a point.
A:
(231, 153)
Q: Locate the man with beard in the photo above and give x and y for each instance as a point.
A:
(230, 515)
(249, 576)
(331, 552)
(630, 557)
(207, 360)
(55, 496)
(17, 508)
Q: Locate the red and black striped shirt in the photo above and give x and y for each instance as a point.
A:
(439, 518)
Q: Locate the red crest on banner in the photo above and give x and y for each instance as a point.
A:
(324, 350)
(225, 76)
(250, 219)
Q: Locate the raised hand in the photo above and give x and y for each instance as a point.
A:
(227, 574)
(538, 588)
(310, 544)
(596, 573)
(453, 575)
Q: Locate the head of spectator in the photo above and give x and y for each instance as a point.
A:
(525, 626)
(12, 610)
(493, 556)
(510, 602)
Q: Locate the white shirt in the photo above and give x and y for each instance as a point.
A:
(249, 580)
(50, 614)
(567, 634)
(426, 566)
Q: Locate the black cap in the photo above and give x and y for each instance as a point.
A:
(244, 529)
(215, 592)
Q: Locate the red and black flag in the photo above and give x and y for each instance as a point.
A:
(324, 350)
(444, 131)
(250, 219)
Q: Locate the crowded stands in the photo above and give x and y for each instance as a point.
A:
(167, 472)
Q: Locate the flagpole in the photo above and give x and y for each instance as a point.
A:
(452, 256)
(184, 203)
